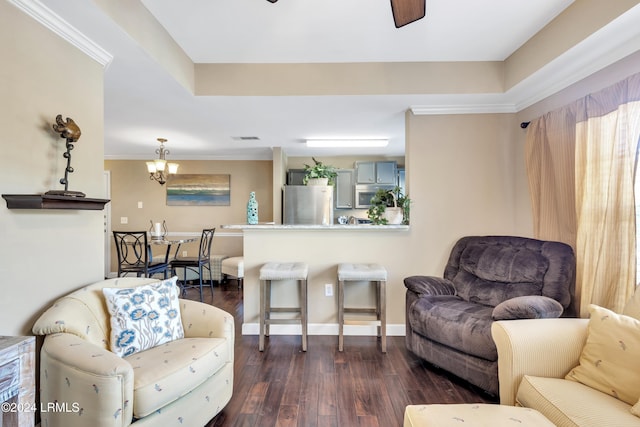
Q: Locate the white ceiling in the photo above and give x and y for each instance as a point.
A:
(257, 31)
(143, 102)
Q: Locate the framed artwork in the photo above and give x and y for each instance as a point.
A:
(198, 190)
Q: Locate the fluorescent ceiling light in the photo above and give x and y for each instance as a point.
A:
(346, 143)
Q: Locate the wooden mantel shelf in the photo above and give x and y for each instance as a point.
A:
(47, 201)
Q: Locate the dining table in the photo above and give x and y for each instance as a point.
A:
(169, 242)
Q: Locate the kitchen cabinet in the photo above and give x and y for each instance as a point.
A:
(365, 172)
(344, 189)
(295, 176)
(401, 181)
(383, 172)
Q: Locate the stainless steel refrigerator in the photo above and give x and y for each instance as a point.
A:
(307, 204)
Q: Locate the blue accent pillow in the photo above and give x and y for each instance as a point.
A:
(143, 317)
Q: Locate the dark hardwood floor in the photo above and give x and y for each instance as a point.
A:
(284, 386)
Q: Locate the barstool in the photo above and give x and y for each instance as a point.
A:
(363, 272)
(282, 271)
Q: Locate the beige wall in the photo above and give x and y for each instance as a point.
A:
(130, 184)
(44, 253)
(466, 177)
(367, 78)
(279, 179)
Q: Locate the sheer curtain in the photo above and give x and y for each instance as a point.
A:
(590, 145)
(607, 132)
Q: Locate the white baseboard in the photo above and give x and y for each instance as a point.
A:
(324, 329)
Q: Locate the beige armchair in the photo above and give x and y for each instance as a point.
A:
(534, 356)
(184, 382)
(538, 347)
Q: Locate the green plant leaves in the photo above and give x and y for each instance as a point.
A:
(388, 198)
(319, 170)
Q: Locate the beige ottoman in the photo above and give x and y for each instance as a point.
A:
(473, 415)
(234, 267)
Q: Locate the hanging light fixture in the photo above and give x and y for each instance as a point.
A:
(159, 169)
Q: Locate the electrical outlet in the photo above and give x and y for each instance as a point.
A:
(139, 205)
(124, 220)
(328, 290)
(184, 253)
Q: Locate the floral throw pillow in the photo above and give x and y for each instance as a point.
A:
(143, 317)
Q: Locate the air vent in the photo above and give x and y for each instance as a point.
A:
(245, 138)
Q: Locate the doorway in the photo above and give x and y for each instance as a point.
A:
(106, 182)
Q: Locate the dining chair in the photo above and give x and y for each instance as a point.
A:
(196, 264)
(134, 255)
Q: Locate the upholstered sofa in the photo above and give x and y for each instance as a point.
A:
(573, 371)
(184, 381)
(448, 319)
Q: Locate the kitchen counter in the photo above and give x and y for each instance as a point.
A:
(323, 247)
(357, 227)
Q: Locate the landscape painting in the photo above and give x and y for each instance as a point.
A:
(199, 190)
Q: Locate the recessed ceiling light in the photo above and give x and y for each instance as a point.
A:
(346, 143)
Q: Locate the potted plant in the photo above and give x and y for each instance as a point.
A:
(319, 174)
(389, 207)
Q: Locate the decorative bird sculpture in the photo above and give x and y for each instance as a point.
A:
(71, 132)
(68, 130)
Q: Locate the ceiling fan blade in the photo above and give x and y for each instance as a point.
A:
(407, 11)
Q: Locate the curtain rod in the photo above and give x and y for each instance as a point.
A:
(524, 125)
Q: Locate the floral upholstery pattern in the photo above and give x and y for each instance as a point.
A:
(143, 317)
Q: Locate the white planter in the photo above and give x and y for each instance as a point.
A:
(318, 181)
(393, 215)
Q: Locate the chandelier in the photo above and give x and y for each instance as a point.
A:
(159, 169)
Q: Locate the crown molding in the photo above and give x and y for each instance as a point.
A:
(470, 108)
(45, 16)
(610, 44)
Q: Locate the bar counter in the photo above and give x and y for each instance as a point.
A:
(323, 247)
(339, 227)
